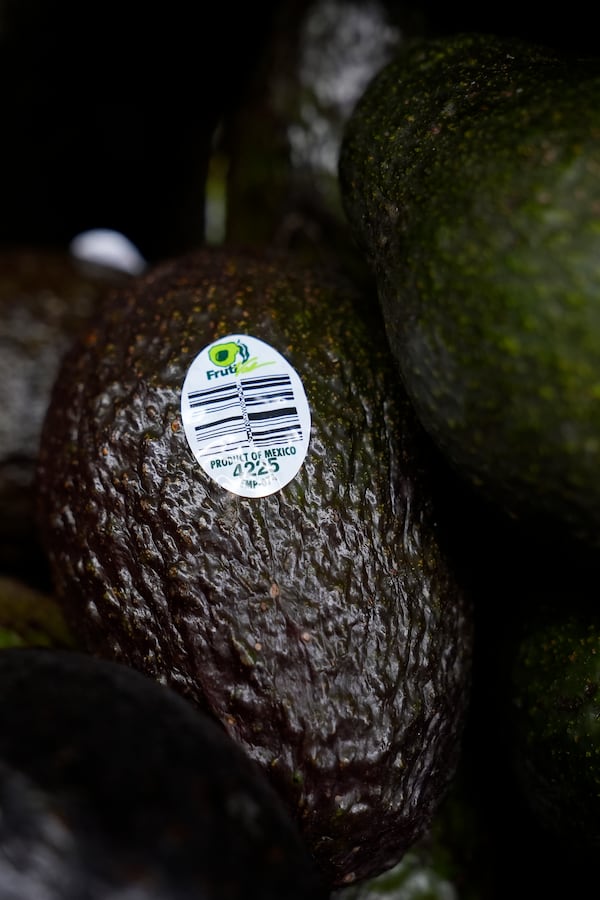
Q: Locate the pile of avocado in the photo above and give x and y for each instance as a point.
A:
(112, 785)
(299, 525)
(469, 176)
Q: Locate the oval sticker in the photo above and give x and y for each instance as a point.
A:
(245, 415)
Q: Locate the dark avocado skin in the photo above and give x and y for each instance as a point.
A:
(323, 625)
(469, 173)
(112, 785)
(554, 713)
(46, 296)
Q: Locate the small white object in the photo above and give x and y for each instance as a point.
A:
(107, 247)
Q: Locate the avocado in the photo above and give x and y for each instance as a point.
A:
(113, 785)
(439, 866)
(264, 535)
(469, 174)
(46, 296)
(280, 142)
(520, 592)
(555, 717)
(462, 856)
(30, 617)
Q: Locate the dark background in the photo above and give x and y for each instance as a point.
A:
(109, 109)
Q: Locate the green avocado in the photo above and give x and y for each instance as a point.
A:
(112, 785)
(315, 611)
(30, 617)
(469, 173)
(46, 296)
(554, 694)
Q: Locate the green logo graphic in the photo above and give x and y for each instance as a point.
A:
(226, 354)
(233, 358)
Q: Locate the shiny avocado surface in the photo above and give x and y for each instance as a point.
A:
(323, 624)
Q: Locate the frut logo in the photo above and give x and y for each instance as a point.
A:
(232, 358)
(225, 356)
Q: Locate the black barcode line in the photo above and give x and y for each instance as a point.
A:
(224, 447)
(216, 439)
(259, 381)
(213, 396)
(272, 437)
(226, 424)
(269, 398)
(255, 385)
(217, 410)
(274, 414)
(268, 415)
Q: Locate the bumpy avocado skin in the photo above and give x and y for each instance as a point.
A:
(112, 785)
(324, 625)
(469, 173)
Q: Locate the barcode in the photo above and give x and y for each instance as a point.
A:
(248, 412)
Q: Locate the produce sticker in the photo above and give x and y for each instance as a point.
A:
(245, 415)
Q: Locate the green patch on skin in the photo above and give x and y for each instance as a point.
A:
(476, 204)
(30, 618)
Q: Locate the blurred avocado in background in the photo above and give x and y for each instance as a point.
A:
(111, 112)
(30, 617)
(273, 172)
(280, 141)
(46, 296)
